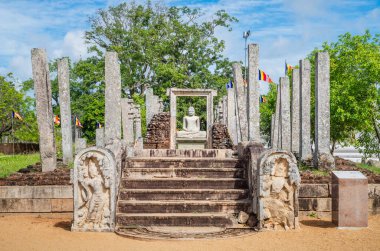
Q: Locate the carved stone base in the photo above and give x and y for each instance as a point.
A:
(191, 143)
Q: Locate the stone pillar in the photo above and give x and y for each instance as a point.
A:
(231, 115)
(44, 109)
(322, 156)
(64, 104)
(127, 121)
(210, 117)
(273, 118)
(112, 129)
(285, 113)
(295, 135)
(138, 131)
(153, 105)
(241, 95)
(100, 137)
(277, 126)
(305, 146)
(80, 144)
(173, 116)
(253, 98)
(224, 110)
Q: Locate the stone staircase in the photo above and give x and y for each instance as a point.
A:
(180, 190)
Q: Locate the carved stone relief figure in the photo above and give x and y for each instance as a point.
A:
(278, 184)
(94, 190)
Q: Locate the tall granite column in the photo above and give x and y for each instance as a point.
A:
(112, 129)
(224, 102)
(285, 113)
(277, 125)
(253, 97)
(137, 120)
(295, 138)
(305, 146)
(64, 104)
(273, 118)
(153, 105)
(44, 109)
(127, 121)
(241, 98)
(322, 156)
(231, 116)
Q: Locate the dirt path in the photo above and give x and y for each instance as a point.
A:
(25, 232)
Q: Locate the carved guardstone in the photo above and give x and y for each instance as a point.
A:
(276, 193)
(94, 190)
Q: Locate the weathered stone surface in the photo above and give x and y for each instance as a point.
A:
(278, 181)
(231, 115)
(61, 205)
(349, 199)
(158, 132)
(112, 129)
(314, 190)
(100, 137)
(220, 137)
(44, 109)
(315, 204)
(25, 205)
(127, 109)
(277, 125)
(374, 163)
(295, 114)
(80, 144)
(36, 192)
(94, 190)
(305, 145)
(253, 98)
(243, 217)
(272, 124)
(138, 130)
(153, 103)
(241, 94)
(323, 159)
(285, 114)
(65, 109)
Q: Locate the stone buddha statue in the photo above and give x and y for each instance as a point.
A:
(191, 126)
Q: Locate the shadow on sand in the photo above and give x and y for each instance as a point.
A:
(65, 225)
(318, 223)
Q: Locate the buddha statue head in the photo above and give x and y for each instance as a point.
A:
(191, 111)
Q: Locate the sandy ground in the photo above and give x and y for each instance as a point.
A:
(51, 232)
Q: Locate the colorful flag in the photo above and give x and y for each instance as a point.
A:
(288, 68)
(77, 123)
(229, 85)
(98, 125)
(263, 99)
(265, 77)
(57, 120)
(17, 116)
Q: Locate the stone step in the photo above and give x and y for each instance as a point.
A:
(181, 183)
(181, 163)
(189, 153)
(182, 206)
(173, 219)
(183, 194)
(145, 173)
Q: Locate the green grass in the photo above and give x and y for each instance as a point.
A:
(373, 169)
(314, 171)
(12, 163)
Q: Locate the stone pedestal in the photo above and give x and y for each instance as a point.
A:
(191, 143)
(349, 199)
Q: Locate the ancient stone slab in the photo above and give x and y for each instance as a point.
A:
(16, 205)
(153, 104)
(315, 204)
(94, 190)
(36, 192)
(241, 100)
(128, 121)
(349, 199)
(61, 205)
(285, 114)
(295, 113)
(138, 130)
(231, 115)
(277, 125)
(112, 98)
(99, 137)
(65, 109)
(278, 182)
(80, 144)
(314, 190)
(253, 99)
(305, 145)
(44, 109)
(323, 159)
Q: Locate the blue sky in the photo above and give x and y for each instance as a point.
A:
(285, 30)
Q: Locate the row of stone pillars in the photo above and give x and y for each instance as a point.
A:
(240, 109)
(291, 122)
(110, 136)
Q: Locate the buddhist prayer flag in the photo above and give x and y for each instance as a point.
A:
(77, 123)
(263, 99)
(288, 67)
(98, 125)
(57, 120)
(16, 115)
(264, 77)
(230, 85)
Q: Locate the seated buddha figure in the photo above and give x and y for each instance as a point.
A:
(191, 126)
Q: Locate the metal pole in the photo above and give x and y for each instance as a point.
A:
(245, 59)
